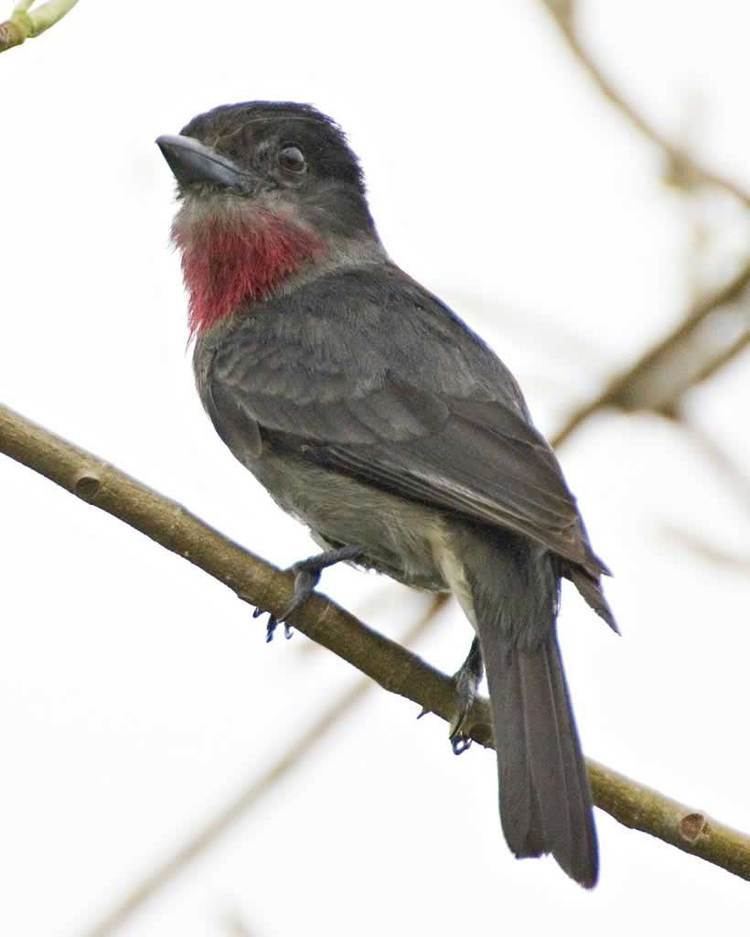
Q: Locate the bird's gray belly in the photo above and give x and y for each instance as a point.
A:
(398, 537)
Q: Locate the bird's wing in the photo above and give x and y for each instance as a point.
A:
(374, 377)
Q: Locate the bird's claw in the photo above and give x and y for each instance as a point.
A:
(467, 680)
(306, 576)
(305, 581)
(273, 623)
(270, 627)
(460, 743)
(460, 726)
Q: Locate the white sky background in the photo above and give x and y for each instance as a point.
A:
(136, 694)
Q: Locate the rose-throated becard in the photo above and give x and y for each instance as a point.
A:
(374, 415)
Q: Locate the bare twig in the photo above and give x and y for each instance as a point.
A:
(209, 834)
(683, 165)
(27, 23)
(392, 666)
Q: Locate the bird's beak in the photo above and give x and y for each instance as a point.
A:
(194, 162)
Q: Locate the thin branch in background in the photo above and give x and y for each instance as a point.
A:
(210, 833)
(27, 21)
(683, 166)
(395, 668)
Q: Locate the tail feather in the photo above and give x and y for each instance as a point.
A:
(519, 805)
(509, 588)
(545, 799)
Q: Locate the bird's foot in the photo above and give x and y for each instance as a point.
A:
(271, 626)
(272, 623)
(306, 576)
(467, 679)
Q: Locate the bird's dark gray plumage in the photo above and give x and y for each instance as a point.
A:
(371, 412)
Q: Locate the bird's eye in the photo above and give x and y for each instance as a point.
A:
(292, 159)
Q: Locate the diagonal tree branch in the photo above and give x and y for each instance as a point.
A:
(392, 666)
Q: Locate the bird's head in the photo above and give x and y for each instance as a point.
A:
(269, 192)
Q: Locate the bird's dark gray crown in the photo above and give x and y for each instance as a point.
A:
(237, 129)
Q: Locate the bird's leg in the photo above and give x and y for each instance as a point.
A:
(306, 575)
(467, 678)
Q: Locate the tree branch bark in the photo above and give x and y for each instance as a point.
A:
(392, 666)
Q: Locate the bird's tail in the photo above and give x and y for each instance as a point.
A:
(511, 589)
(545, 799)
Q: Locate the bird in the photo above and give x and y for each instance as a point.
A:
(375, 416)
